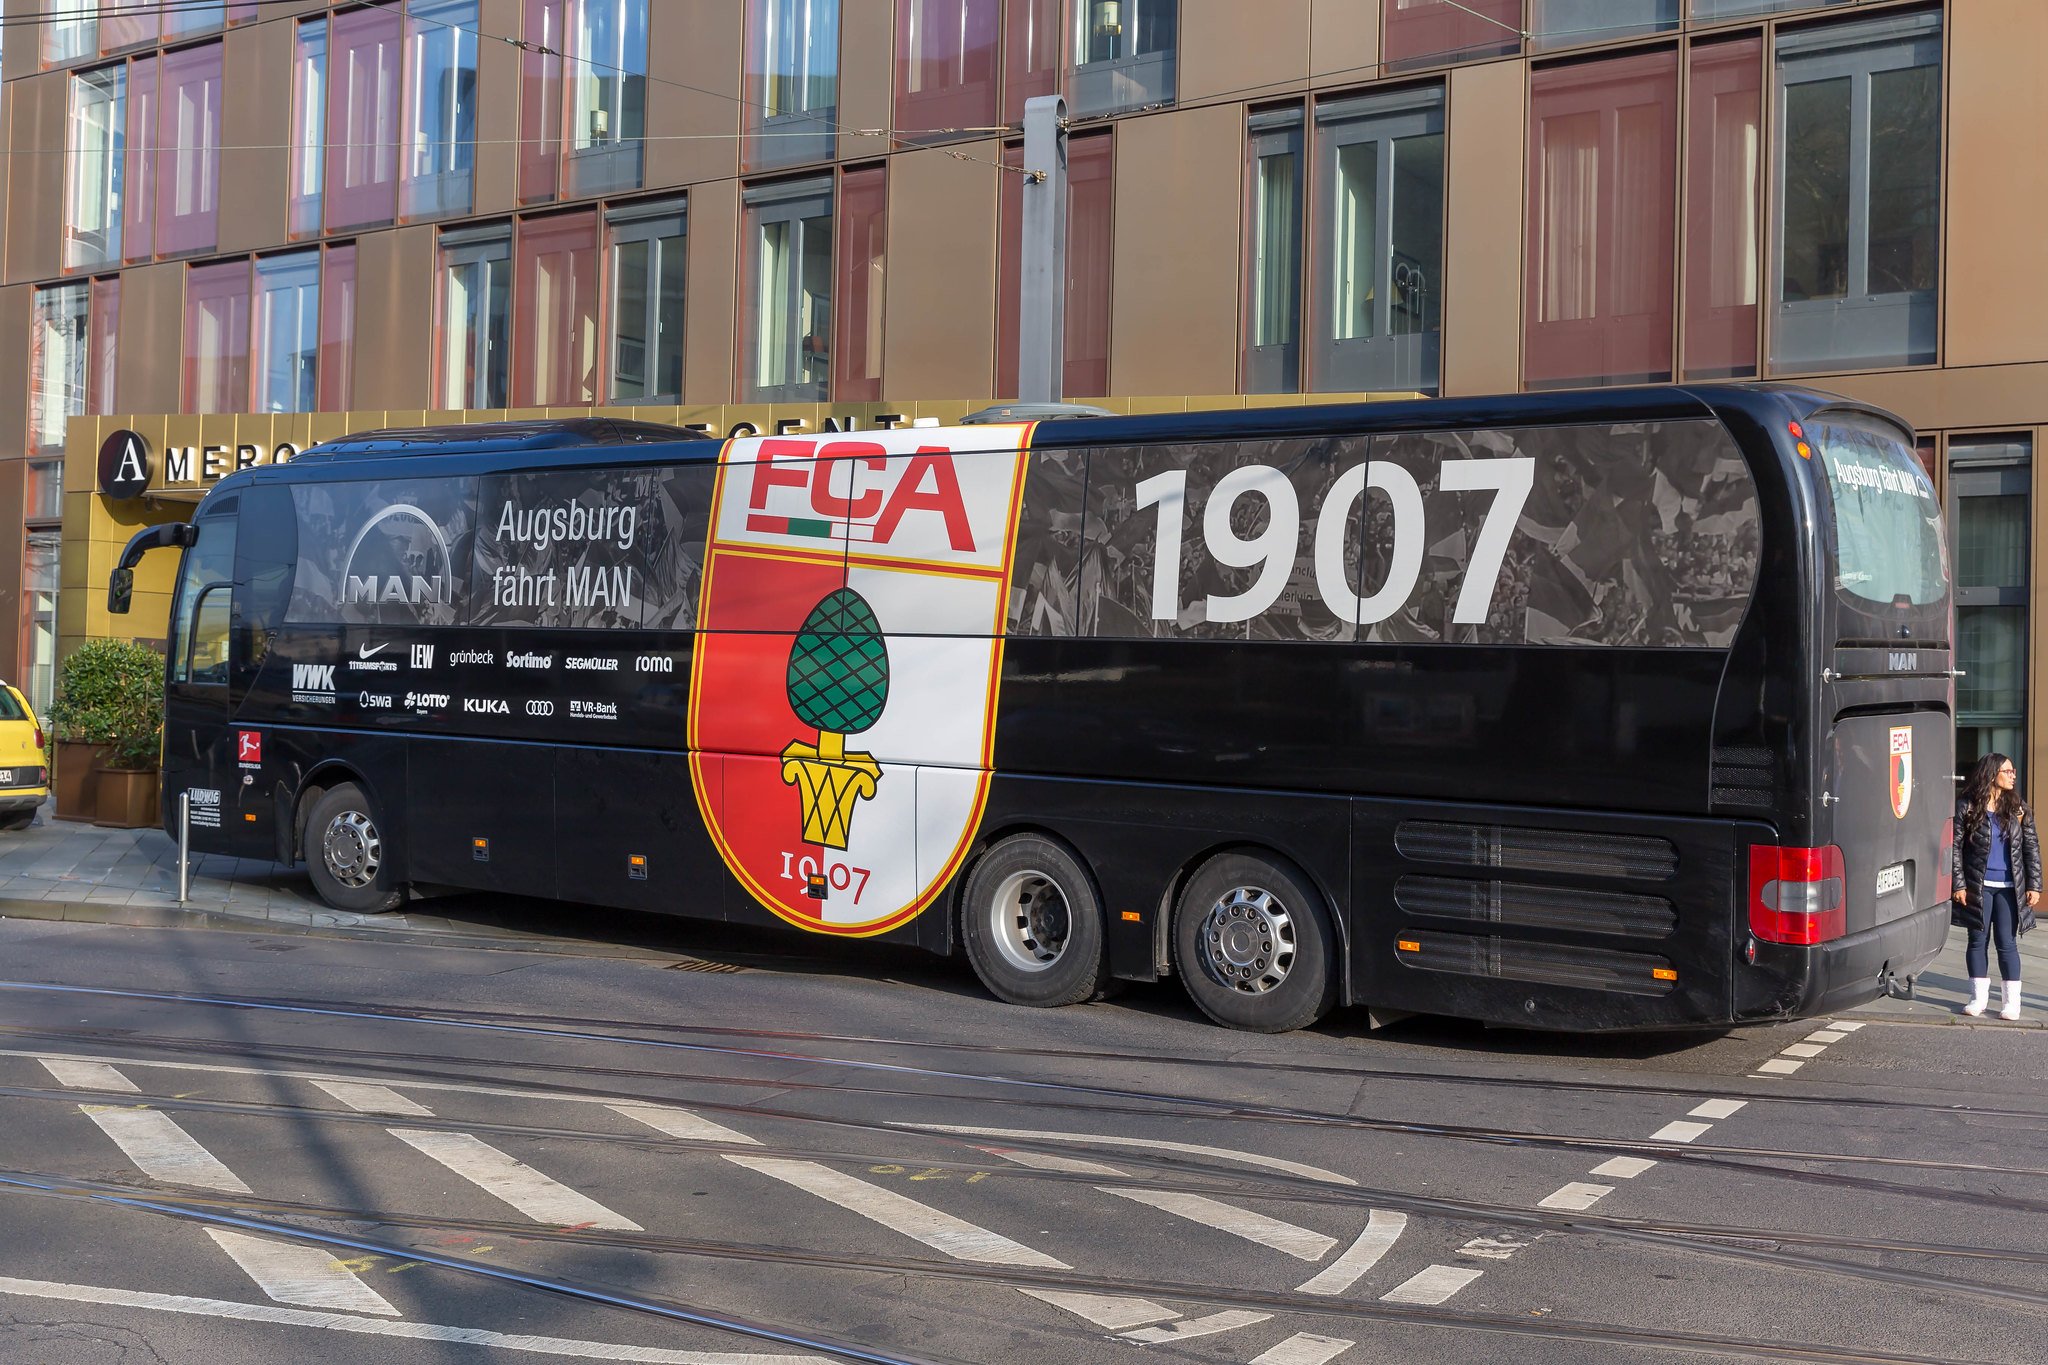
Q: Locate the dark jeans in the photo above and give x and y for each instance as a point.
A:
(2002, 916)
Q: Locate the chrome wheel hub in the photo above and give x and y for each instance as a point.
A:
(1029, 920)
(351, 849)
(1247, 940)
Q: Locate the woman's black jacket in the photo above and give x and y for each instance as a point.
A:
(1974, 832)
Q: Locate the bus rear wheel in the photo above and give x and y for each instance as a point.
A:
(1033, 924)
(348, 854)
(1252, 943)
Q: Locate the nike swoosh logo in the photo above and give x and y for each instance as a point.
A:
(365, 652)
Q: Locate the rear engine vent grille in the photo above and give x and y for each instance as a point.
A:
(1538, 907)
(1593, 969)
(1742, 777)
(1568, 851)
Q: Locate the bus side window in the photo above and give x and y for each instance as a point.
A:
(205, 609)
(205, 655)
(266, 560)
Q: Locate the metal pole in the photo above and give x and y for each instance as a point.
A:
(1042, 283)
(184, 844)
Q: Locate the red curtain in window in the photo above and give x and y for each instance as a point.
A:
(362, 117)
(540, 102)
(863, 258)
(946, 63)
(1031, 53)
(103, 333)
(217, 337)
(1603, 196)
(1424, 32)
(138, 204)
(338, 329)
(188, 155)
(554, 320)
(1090, 162)
(1724, 178)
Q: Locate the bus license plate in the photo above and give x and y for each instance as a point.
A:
(1890, 879)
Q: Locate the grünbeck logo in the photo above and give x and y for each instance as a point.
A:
(313, 683)
(399, 555)
(473, 656)
(529, 660)
(589, 664)
(485, 706)
(425, 701)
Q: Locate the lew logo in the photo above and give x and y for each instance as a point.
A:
(313, 683)
(843, 690)
(1901, 773)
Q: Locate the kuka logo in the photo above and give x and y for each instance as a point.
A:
(843, 689)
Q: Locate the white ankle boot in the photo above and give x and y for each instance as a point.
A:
(1980, 996)
(2012, 1001)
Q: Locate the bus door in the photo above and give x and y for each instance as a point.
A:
(198, 748)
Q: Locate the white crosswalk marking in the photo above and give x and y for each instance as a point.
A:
(1114, 1311)
(956, 1237)
(1304, 1348)
(540, 1198)
(1717, 1109)
(1624, 1167)
(292, 1273)
(1827, 1035)
(1272, 1163)
(680, 1123)
(1433, 1285)
(1298, 1242)
(1779, 1066)
(1847, 1028)
(1679, 1131)
(88, 1075)
(1045, 1161)
(1577, 1195)
(1805, 1049)
(1499, 1246)
(1198, 1327)
(162, 1150)
(1382, 1229)
(374, 1099)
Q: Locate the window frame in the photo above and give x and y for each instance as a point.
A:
(973, 101)
(658, 223)
(1977, 467)
(491, 247)
(590, 166)
(92, 249)
(794, 203)
(268, 282)
(1112, 84)
(436, 179)
(808, 131)
(1274, 366)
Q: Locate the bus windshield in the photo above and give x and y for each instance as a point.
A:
(1887, 538)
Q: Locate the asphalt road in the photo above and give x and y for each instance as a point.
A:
(227, 1147)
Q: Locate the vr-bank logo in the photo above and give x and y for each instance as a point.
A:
(401, 556)
(313, 683)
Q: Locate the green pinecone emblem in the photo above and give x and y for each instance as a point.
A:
(839, 666)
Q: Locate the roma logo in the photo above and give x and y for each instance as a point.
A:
(848, 656)
(1901, 773)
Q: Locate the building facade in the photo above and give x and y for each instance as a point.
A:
(427, 210)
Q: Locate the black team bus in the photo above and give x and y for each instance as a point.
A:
(1616, 710)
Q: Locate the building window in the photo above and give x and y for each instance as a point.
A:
(309, 124)
(92, 231)
(184, 17)
(39, 578)
(338, 329)
(217, 337)
(1559, 23)
(139, 172)
(608, 96)
(1431, 32)
(792, 80)
(555, 315)
(1988, 488)
(188, 175)
(1379, 242)
(649, 262)
(287, 342)
(1124, 52)
(1091, 162)
(946, 64)
(1273, 195)
(104, 344)
(1031, 53)
(1602, 221)
(1723, 182)
(58, 362)
(863, 271)
(476, 317)
(440, 108)
(122, 26)
(1729, 9)
(70, 31)
(540, 101)
(361, 180)
(786, 350)
(1859, 185)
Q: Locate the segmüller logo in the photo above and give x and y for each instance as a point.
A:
(313, 683)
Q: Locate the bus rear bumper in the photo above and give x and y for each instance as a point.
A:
(1852, 970)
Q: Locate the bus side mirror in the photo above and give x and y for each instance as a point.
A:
(121, 582)
(120, 591)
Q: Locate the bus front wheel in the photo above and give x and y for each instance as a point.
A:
(1033, 924)
(1252, 944)
(348, 853)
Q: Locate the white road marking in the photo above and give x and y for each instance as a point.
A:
(1046, 1161)
(1778, 1066)
(1304, 1348)
(680, 1123)
(1624, 1167)
(1114, 1311)
(374, 1099)
(1198, 1327)
(1382, 1229)
(1499, 1246)
(1847, 1028)
(162, 1150)
(1577, 1195)
(1805, 1050)
(1681, 1131)
(1717, 1109)
(956, 1237)
(1433, 1285)
(381, 1327)
(293, 1273)
(1301, 1243)
(1273, 1163)
(1826, 1035)
(88, 1075)
(539, 1197)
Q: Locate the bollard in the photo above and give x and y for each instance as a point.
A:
(184, 844)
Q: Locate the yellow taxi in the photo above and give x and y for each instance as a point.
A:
(24, 781)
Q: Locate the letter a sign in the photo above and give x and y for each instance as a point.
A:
(124, 465)
(849, 651)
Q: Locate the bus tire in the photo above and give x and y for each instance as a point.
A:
(349, 855)
(1033, 924)
(1253, 946)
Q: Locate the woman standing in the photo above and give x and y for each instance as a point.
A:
(1998, 877)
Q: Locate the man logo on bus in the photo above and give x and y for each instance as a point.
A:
(839, 685)
(398, 556)
(1902, 769)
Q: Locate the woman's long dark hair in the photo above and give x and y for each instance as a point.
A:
(1983, 788)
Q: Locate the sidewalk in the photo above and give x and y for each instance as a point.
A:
(61, 870)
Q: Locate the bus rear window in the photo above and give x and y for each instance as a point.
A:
(1887, 538)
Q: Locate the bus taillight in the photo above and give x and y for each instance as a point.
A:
(1797, 895)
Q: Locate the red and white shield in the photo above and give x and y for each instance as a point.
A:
(848, 655)
(1901, 773)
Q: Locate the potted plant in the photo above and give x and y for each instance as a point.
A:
(108, 721)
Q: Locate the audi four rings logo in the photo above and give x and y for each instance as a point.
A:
(540, 708)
